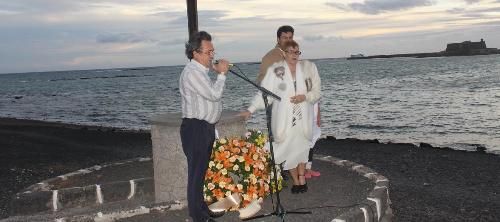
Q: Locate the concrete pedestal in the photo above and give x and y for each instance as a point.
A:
(169, 161)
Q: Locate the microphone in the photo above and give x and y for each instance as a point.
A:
(230, 64)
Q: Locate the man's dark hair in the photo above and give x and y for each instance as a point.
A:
(194, 43)
(283, 29)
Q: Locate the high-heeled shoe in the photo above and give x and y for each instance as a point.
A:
(296, 189)
(303, 188)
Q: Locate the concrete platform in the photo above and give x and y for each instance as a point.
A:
(124, 191)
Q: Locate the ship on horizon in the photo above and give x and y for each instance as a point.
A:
(359, 55)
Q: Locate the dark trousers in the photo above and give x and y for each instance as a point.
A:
(197, 138)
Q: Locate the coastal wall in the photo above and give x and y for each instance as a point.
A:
(169, 161)
(466, 48)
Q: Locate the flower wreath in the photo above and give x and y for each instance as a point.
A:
(240, 165)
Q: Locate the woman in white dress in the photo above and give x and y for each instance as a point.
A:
(298, 84)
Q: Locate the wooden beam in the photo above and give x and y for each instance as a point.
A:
(192, 13)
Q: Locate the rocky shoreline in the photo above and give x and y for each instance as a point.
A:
(427, 183)
(33, 151)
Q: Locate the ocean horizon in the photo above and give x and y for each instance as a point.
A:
(444, 101)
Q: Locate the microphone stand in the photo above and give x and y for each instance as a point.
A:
(278, 210)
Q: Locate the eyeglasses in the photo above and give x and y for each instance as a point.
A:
(294, 52)
(209, 52)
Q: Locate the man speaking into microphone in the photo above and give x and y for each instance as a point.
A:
(201, 109)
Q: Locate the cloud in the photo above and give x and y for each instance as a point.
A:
(456, 10)
(87, 34)
(474, 13)
(46, 6)
(51, 7)
(339, 6)
(317, 23)
(317, 38)
(494, 9)
(374, 7)
(205, 17)
(123, 38)
(172, 42)
(472, 1)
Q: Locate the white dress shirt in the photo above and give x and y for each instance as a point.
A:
(200, 97)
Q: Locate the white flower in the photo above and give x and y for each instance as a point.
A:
(241, 159)
(222, 141)
(253, 180)
(247, 168)
(255, 157)
(219, 166)
(224, 171)
(230, 187)
(261, 166)
(211, 186)
(232, 159)
(222, 184)
(221, 148)
(211, 164)
(236, 167)
(239, 186)
(246, 197)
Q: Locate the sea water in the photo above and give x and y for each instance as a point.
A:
(445, 101)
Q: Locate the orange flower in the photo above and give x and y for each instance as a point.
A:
(248, 159)
(236, 150)
(218, 194)
(251, 190)
(219, 156)
(209, 174)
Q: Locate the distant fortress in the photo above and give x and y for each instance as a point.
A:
(466, 48)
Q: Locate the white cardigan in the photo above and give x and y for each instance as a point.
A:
(308, 83)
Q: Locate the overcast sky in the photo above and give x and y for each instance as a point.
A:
(46, 35)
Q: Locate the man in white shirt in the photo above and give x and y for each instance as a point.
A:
(201, 109)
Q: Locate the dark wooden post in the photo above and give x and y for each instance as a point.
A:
(192, 13)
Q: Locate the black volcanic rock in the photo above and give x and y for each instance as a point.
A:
(425, 145)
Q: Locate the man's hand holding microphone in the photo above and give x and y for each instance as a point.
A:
(221, 66)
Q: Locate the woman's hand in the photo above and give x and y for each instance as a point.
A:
(298, 99)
